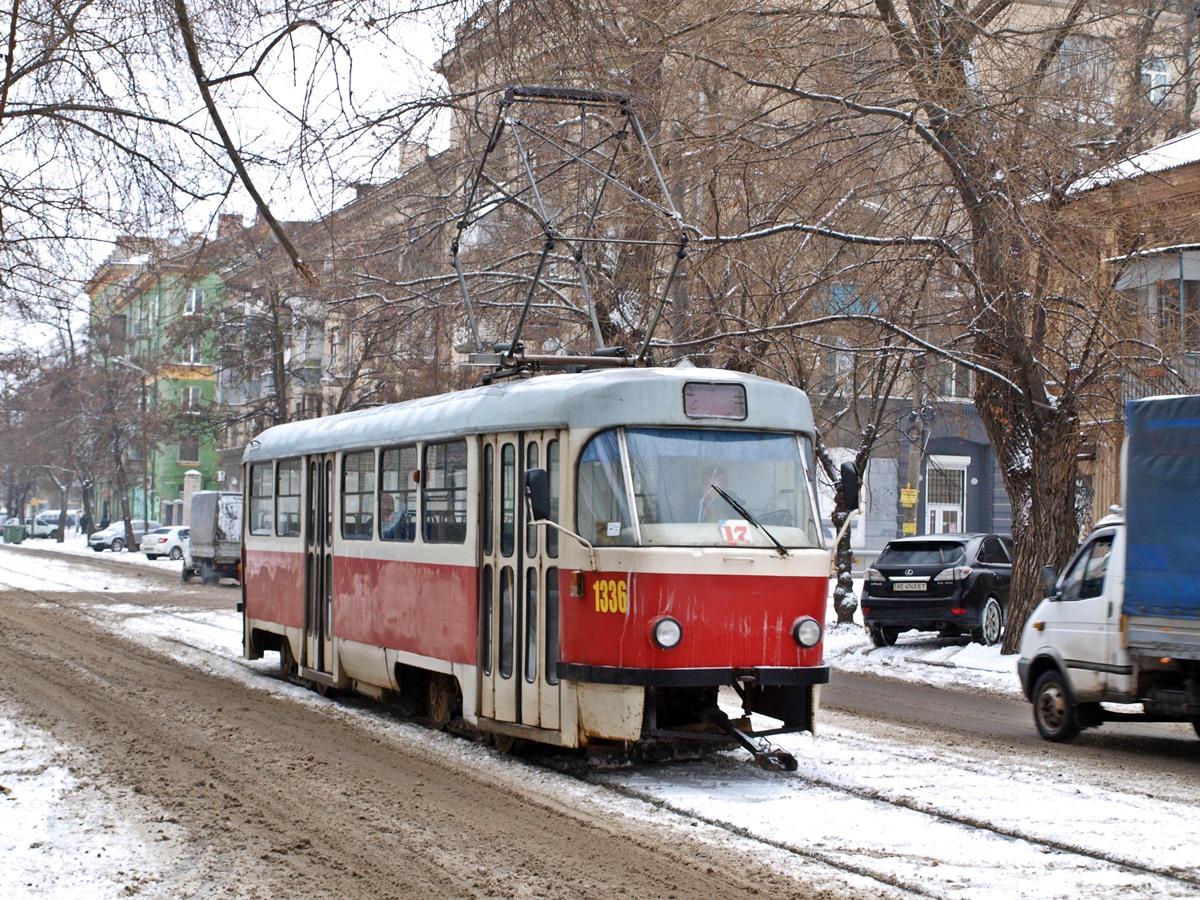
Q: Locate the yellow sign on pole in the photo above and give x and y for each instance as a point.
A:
(908, 496)
(909, 528)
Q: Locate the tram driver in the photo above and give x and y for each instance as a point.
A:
(713, 507)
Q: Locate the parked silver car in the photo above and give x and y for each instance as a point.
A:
(113, 537)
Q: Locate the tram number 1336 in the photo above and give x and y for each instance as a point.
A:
(611, 595)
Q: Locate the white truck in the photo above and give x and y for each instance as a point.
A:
(214, 549)
(1121, 625)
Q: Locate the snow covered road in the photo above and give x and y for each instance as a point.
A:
(872, 811)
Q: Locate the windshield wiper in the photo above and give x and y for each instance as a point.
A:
(749, 517)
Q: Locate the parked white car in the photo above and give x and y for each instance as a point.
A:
(170, 540)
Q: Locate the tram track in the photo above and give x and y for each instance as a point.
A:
(81, 602)
(835, 860)
(274, 794)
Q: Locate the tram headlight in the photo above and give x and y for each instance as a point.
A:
(807, 632)
(667, 633)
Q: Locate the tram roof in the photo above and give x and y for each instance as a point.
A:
(602, 398)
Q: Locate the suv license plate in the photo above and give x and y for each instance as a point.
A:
(909, 586)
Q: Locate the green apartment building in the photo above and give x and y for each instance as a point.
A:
(151, 304)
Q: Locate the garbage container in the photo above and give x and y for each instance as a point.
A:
(14, 534)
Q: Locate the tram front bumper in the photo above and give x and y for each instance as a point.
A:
(763, 676)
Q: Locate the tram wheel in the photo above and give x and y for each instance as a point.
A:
(287, 662)
(440, 700)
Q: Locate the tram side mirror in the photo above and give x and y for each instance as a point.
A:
(537, 492)
(849, 485)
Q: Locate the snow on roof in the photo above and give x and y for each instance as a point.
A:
(1179, 151)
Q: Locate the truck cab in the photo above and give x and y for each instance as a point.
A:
(1071, 648)
(1121, 625)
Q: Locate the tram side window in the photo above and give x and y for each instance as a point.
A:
(508, 499)
(488, 504)
(552, 475)
(358, 495)
(531, 530)
(444, 513)
(552, 642)
(261, 498)
(398, 494)
(287, 498)
(603, 507)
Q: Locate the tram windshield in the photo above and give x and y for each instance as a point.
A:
(684, 487)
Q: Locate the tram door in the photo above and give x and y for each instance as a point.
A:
(519, 589)
(318, 564)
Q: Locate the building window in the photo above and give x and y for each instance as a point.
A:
(1155, 80)
(1083, 75)
(1178, 322)
(845, 300)
(952, 381)
(189, 450)
(117, 329)
(335, 348)
(839, 367)
(189, 353)
(193, 303)
(1082, 63)
(312, 344)
(191, 399)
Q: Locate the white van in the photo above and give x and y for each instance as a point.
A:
(45, 523)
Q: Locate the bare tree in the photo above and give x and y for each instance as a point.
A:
(943, 140)
(101, 138)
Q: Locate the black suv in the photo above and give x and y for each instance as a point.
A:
(950, 583)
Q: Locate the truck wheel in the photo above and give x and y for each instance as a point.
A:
(1196, 728)
(991, 622)
(882, 636)
(206, 574)
(1054, 708)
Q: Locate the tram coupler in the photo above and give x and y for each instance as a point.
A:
(766, 755)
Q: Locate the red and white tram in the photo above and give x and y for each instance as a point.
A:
(670, 546)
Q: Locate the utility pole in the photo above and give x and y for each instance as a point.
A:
(910, 494)
(128, 364)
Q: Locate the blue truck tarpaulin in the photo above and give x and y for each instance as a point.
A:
(1162, 507)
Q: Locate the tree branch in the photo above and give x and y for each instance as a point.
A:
(189, 41)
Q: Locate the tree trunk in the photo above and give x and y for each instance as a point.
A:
(1036, 452)
(844, 602)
